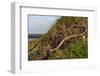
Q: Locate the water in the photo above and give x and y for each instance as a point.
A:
(30, 39)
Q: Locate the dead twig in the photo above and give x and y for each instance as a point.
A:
(67, 38)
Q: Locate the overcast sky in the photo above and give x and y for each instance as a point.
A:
(40, 24)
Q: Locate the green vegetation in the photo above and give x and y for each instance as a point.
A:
(76, 50)
(45, 48)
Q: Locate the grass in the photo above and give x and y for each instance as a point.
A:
(76, 50)
(73, 51)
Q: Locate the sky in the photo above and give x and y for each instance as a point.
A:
(40, 24)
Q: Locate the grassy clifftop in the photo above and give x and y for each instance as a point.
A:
(75, 47)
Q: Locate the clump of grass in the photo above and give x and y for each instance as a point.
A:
(76, 50)
(79, 50)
